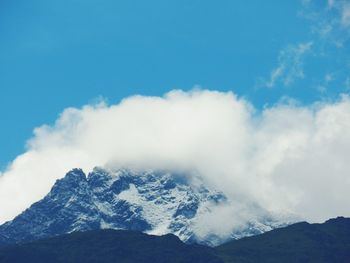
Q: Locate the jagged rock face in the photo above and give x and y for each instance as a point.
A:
(151, 202)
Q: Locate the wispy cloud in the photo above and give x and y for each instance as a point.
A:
(345, 19)
(290, 65)
(323, 84)
(342, 11)
(328, 77)
(331, 22)
(331, 32)
(347, 84)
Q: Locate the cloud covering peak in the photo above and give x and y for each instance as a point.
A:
(286, 158)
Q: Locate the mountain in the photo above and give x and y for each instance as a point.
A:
(298, 243)
(108, 246)
(154, 202)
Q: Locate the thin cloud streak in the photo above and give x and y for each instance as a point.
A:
(290, 65)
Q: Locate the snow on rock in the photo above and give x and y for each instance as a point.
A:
(155, 202)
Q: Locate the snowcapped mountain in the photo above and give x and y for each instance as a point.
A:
(152, 202)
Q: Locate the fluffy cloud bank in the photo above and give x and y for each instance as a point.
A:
(285, 158)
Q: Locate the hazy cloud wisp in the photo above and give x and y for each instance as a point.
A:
(290, 65)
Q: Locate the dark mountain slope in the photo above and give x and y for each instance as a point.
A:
(299, 243)
(108, 246)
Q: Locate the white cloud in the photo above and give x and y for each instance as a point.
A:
(284, 158)
(290, 65)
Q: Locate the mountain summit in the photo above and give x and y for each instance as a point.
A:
(154, 202)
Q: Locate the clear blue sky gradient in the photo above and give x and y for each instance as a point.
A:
(56, 54)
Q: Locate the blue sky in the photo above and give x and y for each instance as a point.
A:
(57, 54)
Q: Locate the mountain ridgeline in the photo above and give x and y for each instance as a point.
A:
(151, 202)
(109, 246)
(297, 243)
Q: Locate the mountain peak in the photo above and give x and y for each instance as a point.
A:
(340, 220)
(71, 182)
(155, 202)
(75, 175)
